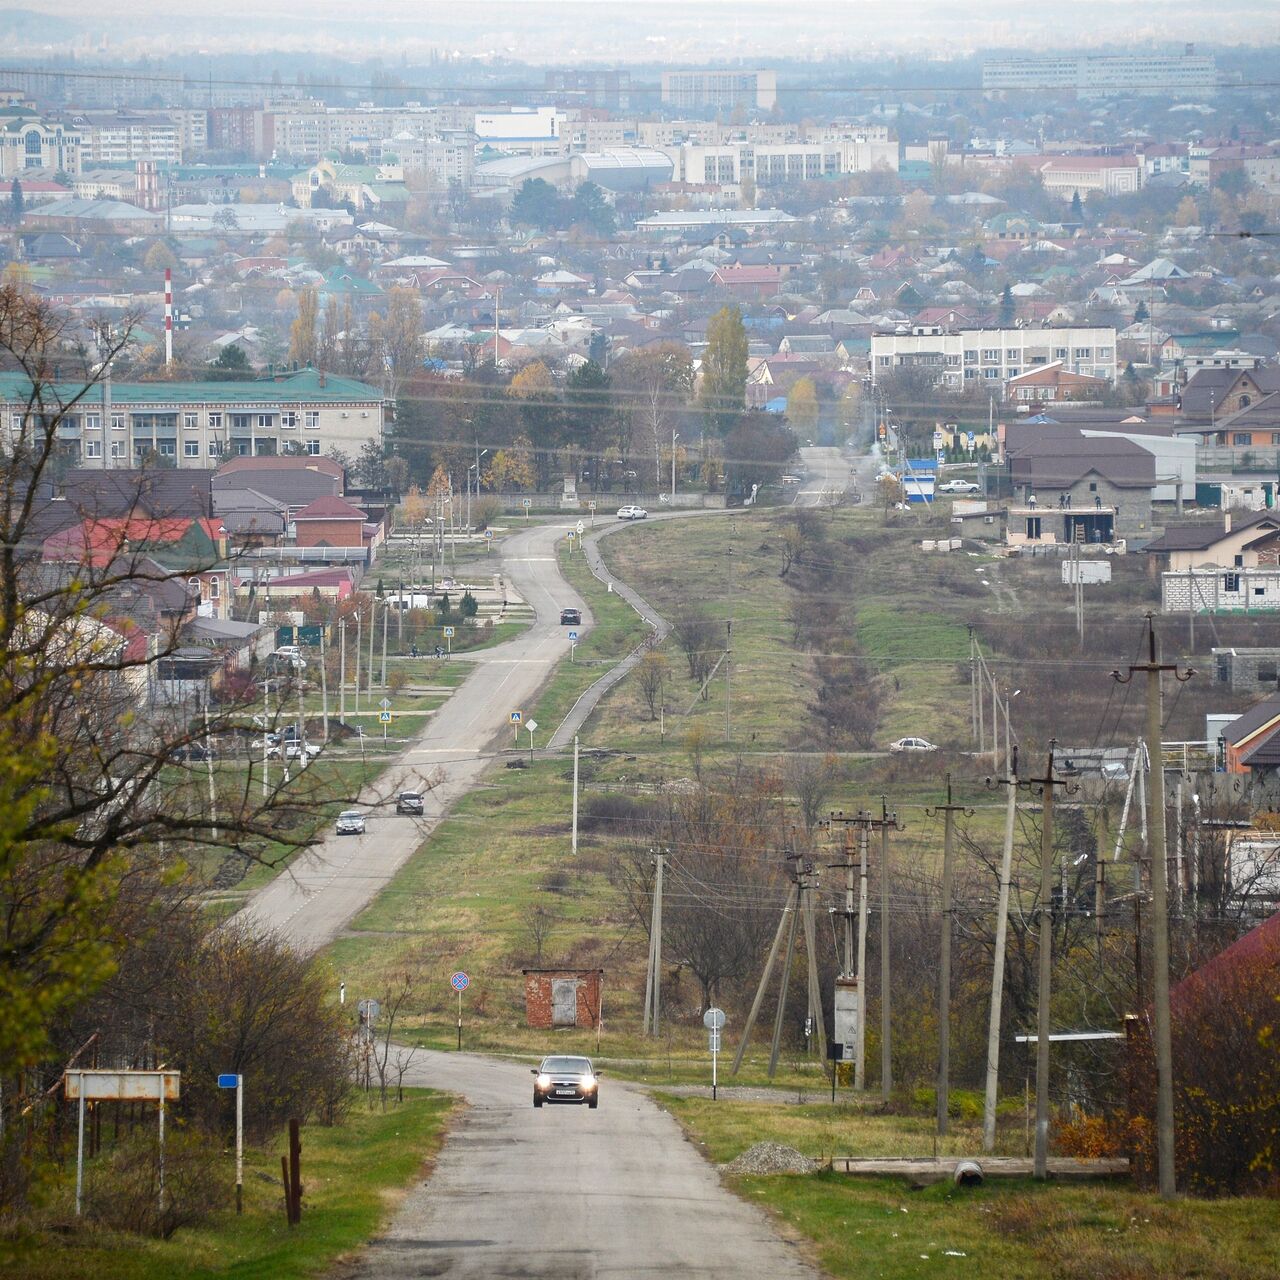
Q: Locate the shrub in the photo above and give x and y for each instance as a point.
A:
(484, 511)
(122, 1189)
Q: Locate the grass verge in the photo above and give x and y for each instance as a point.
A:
(353, 1175)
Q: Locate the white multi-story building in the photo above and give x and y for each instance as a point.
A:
(525, 131)
(124, 137)
(721, 88)
(1093, 75)
(990, 357)
(779, 164)
(30, 141)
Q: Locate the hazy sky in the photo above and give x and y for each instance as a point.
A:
(648, 30)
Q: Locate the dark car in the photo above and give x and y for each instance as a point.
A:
(566, 1079)
(409, 802)
(570, 617)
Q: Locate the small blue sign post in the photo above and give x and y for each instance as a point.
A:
(459, 982)
(230, 1080)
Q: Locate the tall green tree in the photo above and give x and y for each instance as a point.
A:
(802, 407)
(1007, 307)
(589, 207)
(538, 204)
(723, 393)
(17, 203)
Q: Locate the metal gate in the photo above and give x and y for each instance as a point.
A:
(564, 1002)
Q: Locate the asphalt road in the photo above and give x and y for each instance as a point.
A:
(826, 476)
(568, 1193)
(312, 901)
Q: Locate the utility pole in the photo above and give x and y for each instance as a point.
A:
(359, 633)
(997, 975)
(384, 648)
(1044, 943)
(653, 984)
(948, 811)
(1154, 668)
(973, 684)
(788, 917)
(574, 845)
(866, 822)
(373, 629)
(728, 680)
(208, 759)
(887, 821)
(808, 887)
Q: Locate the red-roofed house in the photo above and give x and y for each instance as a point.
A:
(749, 282)
(331, 522)
(1066, 176)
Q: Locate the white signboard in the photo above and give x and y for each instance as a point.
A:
(122, 1086)
(1091, 571)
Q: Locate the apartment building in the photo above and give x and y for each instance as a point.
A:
(309, 130)
(124, 137)
(779, 164)
(722, 89)
(198, 424)
(1092, 75)
(601, 87)
(991, 357)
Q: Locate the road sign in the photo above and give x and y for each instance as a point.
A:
(581, 526)
(368, 1010)
(385, 704)
(448, 633)
(384, 717)
(573, 635)
(591, 506)
(459, 981)
(572, 535)
(713, 1041)
(488, 535)
(228, 1080)
(516, 717)
(532, 725)
(713, 1019)
(528, 502)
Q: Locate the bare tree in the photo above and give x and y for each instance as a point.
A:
(392, 1005)
(698, 635)
(651, 675)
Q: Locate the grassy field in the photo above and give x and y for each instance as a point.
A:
(353, 1174)
(1003, 1230)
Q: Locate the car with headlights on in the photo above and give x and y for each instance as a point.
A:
(566, 1078)
(410, 802)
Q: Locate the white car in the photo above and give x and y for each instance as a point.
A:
(350, 823)
(631, 513)
(295, 751)
(958, 486)
(911, 744)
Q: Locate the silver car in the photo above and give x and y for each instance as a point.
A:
(350, 823)
(566, 1078)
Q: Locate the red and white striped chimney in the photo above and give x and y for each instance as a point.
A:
(168, 316)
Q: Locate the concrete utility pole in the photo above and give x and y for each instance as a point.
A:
(373, 631)
(788, 917)
(574, 844)
(1154, 668)
(342, 671)
(997, 975)
(728, 680)
(886, 822)
(384, 648)
(324, 687)
(653, 983)
(1044, 942)
(948, 811)
(359, 634)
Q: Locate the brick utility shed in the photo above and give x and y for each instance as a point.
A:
(563, 997)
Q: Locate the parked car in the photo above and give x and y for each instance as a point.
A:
(911, 744)
(959, 486)
(631, 513)
(350, 823)
(561, 1078)
(570, 617)
(194, 751)
(409, 802)
(295, 751)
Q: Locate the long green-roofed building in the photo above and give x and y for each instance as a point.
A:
(197, 424)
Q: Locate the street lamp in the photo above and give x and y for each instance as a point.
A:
(674, 438)
(475, 466)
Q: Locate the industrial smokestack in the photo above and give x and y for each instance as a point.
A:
(168, 317)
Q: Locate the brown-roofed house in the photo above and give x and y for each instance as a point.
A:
(330, 521)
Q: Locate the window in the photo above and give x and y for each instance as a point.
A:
(1013, 373)
(266, 420)
(1105, 353)
(1259, 591)
(190, 421)
(215, 448)
(1238, 562)
(313, 448)
(117, 449)
(191, 448)
(1242, 437)
(1231, 582)
(990, 353)
(991, 373)
(1084, 353)
(93, 448)
(288, 419)
(93, 422)
(1060, 353)
(215, 420)
(1266, 673)
(167, 448)
(885, 362)
(215, 588)
(117, 422)
(971, 357)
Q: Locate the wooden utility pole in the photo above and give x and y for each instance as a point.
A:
(997, 973)
(948, 811)
(653, 982)
(1044, 944)
(1154, 669)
